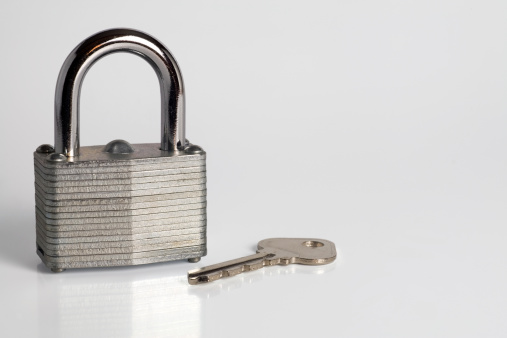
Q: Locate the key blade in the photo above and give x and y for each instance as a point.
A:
(308, 251)
(227, 269)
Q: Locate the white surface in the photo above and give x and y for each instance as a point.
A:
(380, 125)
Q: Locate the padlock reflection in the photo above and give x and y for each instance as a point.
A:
(152, 307)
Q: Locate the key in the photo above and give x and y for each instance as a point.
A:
(272, 251)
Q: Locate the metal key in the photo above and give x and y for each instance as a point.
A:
(272, 251)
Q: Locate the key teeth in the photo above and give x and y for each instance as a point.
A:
(284, 261)
(233, 272)
(279, 261)
(194, 280)
(271, 261)
(243, 268)
(255, 266)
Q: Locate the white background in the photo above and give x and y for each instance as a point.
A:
(379, 125)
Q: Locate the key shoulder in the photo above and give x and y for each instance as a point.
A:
(308, 251)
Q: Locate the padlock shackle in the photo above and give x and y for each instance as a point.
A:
(79, 61)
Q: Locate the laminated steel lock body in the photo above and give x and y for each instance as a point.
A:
(119, 204)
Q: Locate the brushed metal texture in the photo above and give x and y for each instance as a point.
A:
(114, 250)
(122, 220)
(119, 188)
(41, 162)
(56, 238)
(175, 223)
(123, 213)
(117, 194)
(121, 203)
(55, 176)
(109, 257)
(134, 208)
(135, 245)
(94, 261)
(120, 181)
(145, 154)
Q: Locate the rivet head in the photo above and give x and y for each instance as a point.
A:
(193, 149)
(119, 147)
(45, 149)
(56, 158)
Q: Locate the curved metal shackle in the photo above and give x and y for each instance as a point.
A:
(79, 61)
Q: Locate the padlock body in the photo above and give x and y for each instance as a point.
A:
(103, 209)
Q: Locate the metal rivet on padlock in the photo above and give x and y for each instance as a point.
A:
(119, 204)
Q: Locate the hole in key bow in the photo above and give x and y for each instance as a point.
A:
(313, 244)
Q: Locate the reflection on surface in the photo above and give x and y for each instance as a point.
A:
(149, 301)
(213, 289)
(103, 304)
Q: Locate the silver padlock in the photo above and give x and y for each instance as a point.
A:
(119, 204)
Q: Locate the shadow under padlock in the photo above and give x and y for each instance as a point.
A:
(119, 204)
(117, 305)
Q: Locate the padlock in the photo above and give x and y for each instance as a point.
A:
(119, 204)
